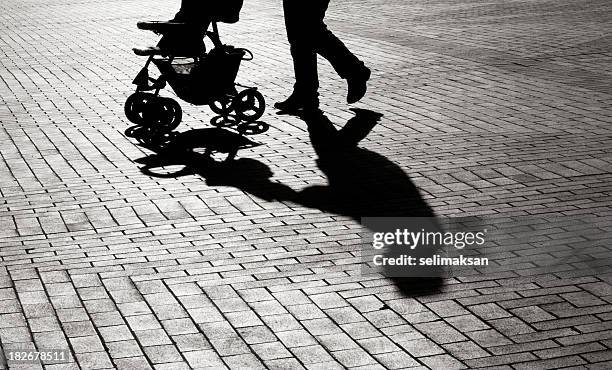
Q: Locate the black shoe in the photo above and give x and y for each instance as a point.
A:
(295, 103)
(357, 85)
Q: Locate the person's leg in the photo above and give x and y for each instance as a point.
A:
(300, 22)
(344, 62)
(190, 39)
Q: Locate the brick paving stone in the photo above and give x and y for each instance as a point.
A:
(284, 363)
(321, 326)
(500, 360)
(360, 330)
(172, 365)
(191, 342)
(446, 308)
(132, 363)
(115, 333)
(440, 332)
(488, 338)
(246, 361)
(122, 349)
(442, 361)
(94, 360)
(161, 354)
(396, 360)
(511, 326)
(344, 315)
(465, 350)
(324, 365)
(552, 363)
(271, 350)
(296, 338)
(86, 344)
(230, 345)
(378, 345)
(154, 337)
(311, 354)
(203, 358)
(282, 322)
(421, 347)
(353, 357)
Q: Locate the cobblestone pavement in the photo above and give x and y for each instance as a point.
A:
(496, 107)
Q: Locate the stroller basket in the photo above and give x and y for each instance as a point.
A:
(204, 79)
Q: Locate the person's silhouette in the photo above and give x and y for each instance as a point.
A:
(308, 36)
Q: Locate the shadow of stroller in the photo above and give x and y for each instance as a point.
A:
(193, 151)
(360, 182)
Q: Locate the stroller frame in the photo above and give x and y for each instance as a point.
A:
(155, 116)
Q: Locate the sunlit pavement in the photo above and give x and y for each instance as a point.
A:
(489, 108)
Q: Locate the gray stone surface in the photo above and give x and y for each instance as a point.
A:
(490, 108)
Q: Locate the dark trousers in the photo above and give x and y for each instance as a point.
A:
(193, 12)
(203, 11)
(308, 36)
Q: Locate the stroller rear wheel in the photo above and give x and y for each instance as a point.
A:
(174, 114)
(249, 105)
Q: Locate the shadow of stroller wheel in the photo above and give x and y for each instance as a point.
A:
(221, 107)
(143, 136)
(137, 132)
(252, 128)
(224, 121)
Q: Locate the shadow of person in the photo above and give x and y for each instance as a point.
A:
(361, 183)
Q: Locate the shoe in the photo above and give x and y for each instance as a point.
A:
(296, 102)
(357, 85)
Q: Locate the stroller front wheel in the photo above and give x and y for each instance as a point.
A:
(135, 107)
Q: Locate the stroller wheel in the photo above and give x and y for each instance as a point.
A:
(221, 107)
(135, 107)
(224, 121)
(173, 114)
(249, 105)
(162, 114)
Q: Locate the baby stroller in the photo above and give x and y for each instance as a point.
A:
(196, 76)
